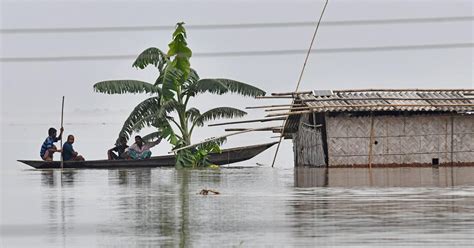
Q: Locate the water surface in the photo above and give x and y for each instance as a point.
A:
(257, 206)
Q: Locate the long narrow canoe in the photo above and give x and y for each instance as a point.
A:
(227, 156)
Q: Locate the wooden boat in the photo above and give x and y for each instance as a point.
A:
(227, 156)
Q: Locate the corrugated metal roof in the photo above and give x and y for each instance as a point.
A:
(390, 100)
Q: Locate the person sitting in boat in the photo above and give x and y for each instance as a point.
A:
(119, 148)
(48, 148)
(68, 150)
(140, 149)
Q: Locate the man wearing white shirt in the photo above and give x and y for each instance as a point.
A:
(140, 149)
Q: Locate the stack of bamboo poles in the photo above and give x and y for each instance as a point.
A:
(300, 106)
(334, 101)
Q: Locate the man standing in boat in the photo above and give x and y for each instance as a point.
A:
(48, 148)
(141, 150)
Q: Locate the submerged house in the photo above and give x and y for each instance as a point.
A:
(412, 127)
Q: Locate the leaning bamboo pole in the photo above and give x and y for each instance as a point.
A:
(246, 121)
(216, 138)
(300, 77)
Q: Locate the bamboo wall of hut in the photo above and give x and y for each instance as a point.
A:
(308, 144)
(398, 140)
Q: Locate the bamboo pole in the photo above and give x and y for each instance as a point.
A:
(215, 138)
(289, 113)
(280, 109)
(247, 121)
(295, 94)
(385, 98)
(292, 93)
(370, 89)
(262, 129)
(300, 77)
(270, 97)
(61, 142)
(273, 106)
(404, 90)
(371, 140)
(313, 108)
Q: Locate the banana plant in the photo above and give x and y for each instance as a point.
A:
(167, 109)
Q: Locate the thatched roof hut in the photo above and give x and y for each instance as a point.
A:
(381, 127)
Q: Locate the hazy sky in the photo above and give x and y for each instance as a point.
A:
(31, 91)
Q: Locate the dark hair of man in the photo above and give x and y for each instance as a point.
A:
(52, 131)
(138, 137)
(70, 136)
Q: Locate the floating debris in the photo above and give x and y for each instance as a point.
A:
(207, 191)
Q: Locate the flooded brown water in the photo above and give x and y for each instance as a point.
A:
(258, 206)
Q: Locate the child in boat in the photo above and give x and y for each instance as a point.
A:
(120, 148)
(141, 150)
(48, 148)
(68, 150)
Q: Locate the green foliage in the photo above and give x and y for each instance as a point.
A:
(218, 113)
(168, 133)
(221, 86)
(146, 108)
(193, 114)
(125, 86)
(198, 156)
(151, 56)
(171, 82)
(185, 159)
(152, 136)
(178, 48)
(167, 109)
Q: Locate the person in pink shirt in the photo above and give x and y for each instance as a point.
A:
(140, 149)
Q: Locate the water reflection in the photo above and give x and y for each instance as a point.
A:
(48, 178)
(383, 177)
(137, 177)
(402, 206)
(58, 203)
(413, 217)
(148, 203)
(258, 207)
(52, 177)
(184, 209)
(311, 176)
(160, 204)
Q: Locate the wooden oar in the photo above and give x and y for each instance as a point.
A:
(61, 142)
